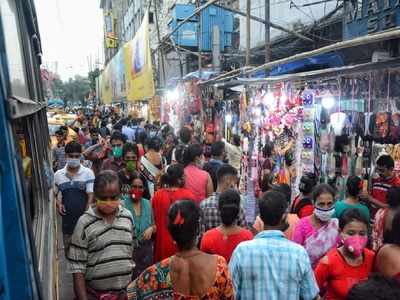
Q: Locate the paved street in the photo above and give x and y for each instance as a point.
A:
(64, 280)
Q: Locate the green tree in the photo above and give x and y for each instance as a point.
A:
(92, 78)
(76, 89)
(58, 88)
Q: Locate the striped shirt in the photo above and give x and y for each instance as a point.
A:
(381, 186)
(102, 251)
(273, 268)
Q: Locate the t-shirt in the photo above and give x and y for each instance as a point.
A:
(74, 196)
(341, 206)
(212, 168)
(380, 187)
(339, 277)
(215, 242)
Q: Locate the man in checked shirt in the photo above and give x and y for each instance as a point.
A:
(227, 177)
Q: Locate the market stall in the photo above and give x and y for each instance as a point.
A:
(331, 124)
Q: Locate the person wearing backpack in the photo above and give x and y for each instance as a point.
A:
(185, 136)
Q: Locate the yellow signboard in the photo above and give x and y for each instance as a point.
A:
(138, 65)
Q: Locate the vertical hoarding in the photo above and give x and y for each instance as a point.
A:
(129, 75)
(138, 65)
(105, 82)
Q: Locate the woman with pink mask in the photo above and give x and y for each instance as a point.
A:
(342, 268)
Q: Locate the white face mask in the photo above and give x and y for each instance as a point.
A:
(324, 215)
(73, 162)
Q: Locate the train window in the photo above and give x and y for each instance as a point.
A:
(15, 56)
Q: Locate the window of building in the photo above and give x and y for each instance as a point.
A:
(151, 18)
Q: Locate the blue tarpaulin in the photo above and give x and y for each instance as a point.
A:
(322, 61)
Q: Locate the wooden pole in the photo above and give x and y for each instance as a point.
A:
(248, 40)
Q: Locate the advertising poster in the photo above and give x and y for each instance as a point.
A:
(138, 66)
(105, 83)
(118, 81)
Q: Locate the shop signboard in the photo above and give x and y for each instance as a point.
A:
(138, 66)
(364, 17)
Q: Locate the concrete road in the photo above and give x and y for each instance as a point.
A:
(65, 282)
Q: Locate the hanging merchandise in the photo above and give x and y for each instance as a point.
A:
(308, 125)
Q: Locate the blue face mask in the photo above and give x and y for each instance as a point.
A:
(73, 162)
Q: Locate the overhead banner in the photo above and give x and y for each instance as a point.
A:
(138, 65)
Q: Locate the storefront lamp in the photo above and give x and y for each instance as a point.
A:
(228, 118)
(328, 102)
(173, 95)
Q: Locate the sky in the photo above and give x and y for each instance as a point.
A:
(71, 32)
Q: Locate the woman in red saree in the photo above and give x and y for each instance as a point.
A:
(173, 190)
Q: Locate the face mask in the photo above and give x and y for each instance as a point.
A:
(73, 162)
(107, 207)
(355, 244)
(131, 166)
(324, 215)
(117, 151)
(137, 194)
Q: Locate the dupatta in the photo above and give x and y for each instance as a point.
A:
(321, 241)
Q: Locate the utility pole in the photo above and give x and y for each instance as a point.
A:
(267, 32)
(248, 12)
(161, 55)
(199, 35)
(216, 49)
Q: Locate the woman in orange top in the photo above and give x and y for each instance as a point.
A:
(190, 274)
(342, 268)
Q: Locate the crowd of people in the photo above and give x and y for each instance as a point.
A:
(147, 215)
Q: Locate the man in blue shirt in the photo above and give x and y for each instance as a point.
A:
(270, 266)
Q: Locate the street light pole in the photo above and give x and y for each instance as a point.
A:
(248, 12)
(267, 32)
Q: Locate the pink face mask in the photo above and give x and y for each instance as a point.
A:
(355, 244)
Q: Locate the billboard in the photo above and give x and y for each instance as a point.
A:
(105, 84)
(138, 65)
(129, 74)
(118, 81)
